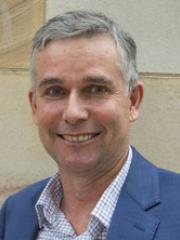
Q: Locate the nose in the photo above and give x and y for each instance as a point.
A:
(74, 110)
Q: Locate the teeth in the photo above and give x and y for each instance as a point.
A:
(78, 139)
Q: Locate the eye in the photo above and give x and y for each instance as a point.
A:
(97, 89)
(55, 92)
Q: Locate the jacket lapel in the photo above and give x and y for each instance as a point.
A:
(132, 218)
(23, 221)
(29, 227)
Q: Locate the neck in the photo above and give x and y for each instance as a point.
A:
(80, 198)
(82, 192)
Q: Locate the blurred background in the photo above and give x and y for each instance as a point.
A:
(155, 27)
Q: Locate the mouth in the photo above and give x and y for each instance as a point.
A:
(77, 138)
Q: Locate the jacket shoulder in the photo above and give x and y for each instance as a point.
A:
(161, 184)
(19, 209)
(30, 192)
(169, 181)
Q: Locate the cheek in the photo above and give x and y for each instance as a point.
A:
(47, 114)
(112, 112)
(114, 118)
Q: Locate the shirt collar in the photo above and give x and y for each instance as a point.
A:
(49, 200)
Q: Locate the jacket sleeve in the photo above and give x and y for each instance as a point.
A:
(2, 220)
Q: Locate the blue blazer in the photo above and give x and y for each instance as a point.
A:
(148, 207)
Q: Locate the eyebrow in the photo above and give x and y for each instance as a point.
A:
(98, 80)
(49, 81)
(88, 79)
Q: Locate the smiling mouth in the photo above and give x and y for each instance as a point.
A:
(77, 138)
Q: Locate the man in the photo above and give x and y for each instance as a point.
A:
(85, 93)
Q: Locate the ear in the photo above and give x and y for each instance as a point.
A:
(32, 101)
(136, 97)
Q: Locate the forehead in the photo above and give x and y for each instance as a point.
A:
(76, 57)
(94, 46)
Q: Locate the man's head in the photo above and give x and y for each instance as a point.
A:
(88, 24)
(80, 101)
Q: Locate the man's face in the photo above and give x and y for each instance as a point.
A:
(80, 104)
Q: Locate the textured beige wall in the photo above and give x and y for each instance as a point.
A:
(18, 22)
(154, 24)
(22, 158)
(157, 133)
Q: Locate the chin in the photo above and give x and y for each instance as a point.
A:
(77, 164)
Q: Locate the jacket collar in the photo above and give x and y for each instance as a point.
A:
(132, 218)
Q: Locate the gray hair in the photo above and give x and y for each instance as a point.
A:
(88, 24)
